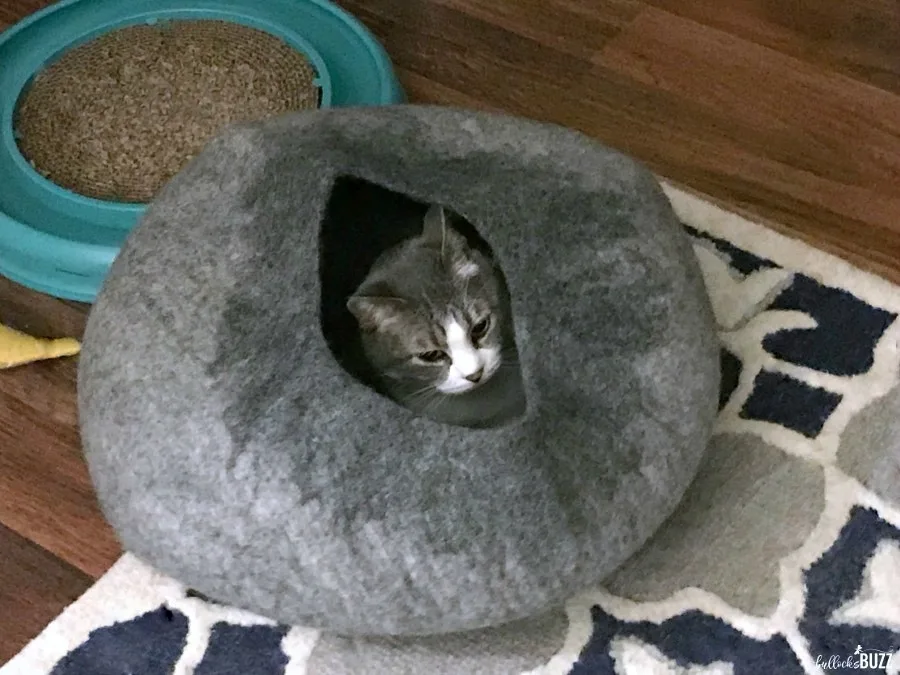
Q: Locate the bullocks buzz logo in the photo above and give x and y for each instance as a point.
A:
(861, 659)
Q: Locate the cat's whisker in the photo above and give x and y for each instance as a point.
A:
(432, 405)
(428, 300)
(421, 393)
(424, 402)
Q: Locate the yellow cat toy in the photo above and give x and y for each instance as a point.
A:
(17, 348)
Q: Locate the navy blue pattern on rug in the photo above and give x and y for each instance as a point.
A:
(842, 343)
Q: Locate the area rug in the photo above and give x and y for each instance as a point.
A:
(783, 558)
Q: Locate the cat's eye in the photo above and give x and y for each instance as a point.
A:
(480, 329)
(434, 356)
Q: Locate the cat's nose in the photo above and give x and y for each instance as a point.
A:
(476, 376)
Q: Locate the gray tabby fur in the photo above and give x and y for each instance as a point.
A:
(402, 307)
(231, 450)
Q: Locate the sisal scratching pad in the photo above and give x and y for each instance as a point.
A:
(117, 117)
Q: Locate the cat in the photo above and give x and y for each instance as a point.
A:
(435, 325)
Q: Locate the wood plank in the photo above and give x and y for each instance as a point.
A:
(467, 45)
(38, 314)
(574, 27)
(860, 38)
(13, 10)
(47, 493)
(423, 90)
(35, 586)
(815, 145)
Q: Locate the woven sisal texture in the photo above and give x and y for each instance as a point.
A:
(117, 117)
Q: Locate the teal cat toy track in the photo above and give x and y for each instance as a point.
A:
(62, 243)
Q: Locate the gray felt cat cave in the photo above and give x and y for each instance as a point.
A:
(236, 445)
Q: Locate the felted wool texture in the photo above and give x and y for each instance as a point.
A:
(230, 450)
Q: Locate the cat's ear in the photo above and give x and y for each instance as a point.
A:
(435, 226)
(375, 312)
(438, 233)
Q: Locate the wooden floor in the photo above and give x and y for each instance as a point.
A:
(786, 110)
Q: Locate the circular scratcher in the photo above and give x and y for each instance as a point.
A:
(118, 116)
(95, 111)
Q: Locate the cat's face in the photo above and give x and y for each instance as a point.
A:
(432, 313)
